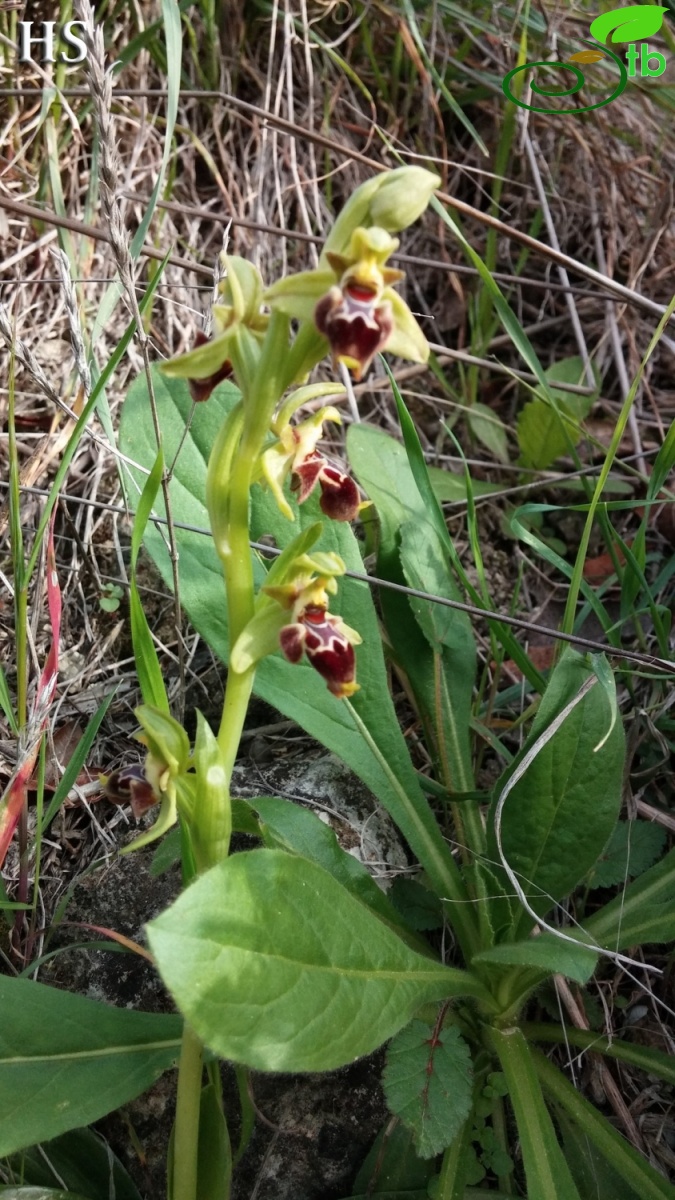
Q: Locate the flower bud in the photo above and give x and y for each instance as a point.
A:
(402, 198)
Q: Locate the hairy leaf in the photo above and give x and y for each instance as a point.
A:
(643, 913)
(66, 1060)
(428, 1083)
(547, 953)
(632, 848)
(558, 816)
(276, 966)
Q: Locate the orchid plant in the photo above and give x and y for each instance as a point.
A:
(347, 306)
(289, 957)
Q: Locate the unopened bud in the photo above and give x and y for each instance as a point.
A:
(402, 198)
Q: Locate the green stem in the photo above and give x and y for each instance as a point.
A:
(451, 1181)
(228, 493)
(186, 1130)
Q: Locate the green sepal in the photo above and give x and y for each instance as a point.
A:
(281, 568)
(302, 395)
(242, 291)
(259, 637)
(201, 362)
(168, 815)
(406, 339)
(166, 740)
(298, 295)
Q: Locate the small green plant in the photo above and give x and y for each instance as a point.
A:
(288, 957)
(110, 597)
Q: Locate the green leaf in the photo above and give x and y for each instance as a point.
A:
(392, 1166)
(642, 913)
(214, 1160)
(656, 1062)
(6, 703)
(592, 1173)
(633, 1168)
(545, 952)
(630, 24)
(541, 435)
(287, 826)
(442, 671)
(76, 762)
(572, 370)
(560, 813)
(420, 908)
(428, 1083)
(450, 488)
(82, 1161)
(167, 853)
(486, 426)
(148, 669)
(632, 848)
(295, 690)
(66, 1060)
(294, 974)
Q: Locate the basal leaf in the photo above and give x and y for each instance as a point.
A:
(642, 913)
(546, 953)
(428, 1083)
(289, 826)
(632, 848)
(66, 1060)
(559, 815)
(82, 1161)
(276, 966)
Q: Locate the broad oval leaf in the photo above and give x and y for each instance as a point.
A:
(558, 817)
(66, 1060)
(428, 1082)
(276, 966)
(629, 24)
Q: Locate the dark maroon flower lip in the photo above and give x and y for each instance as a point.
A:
(129, 785)
(339, 494)
(356, 326)
(319, 636)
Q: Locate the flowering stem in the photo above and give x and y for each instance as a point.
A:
(231, 495)
(186, 1129)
